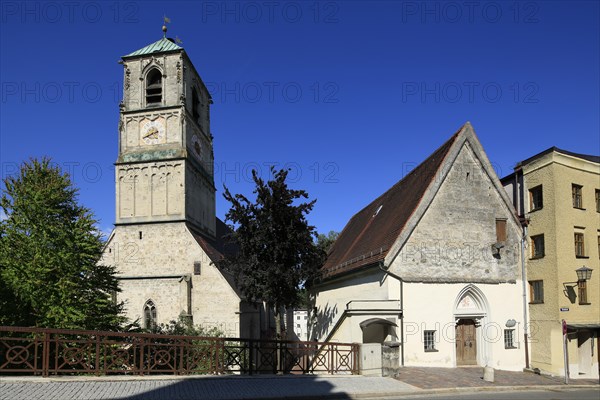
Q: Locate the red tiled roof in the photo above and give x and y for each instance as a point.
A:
(218, 247)
(371, 232)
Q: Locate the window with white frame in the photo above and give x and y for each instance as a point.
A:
(509, 339)
(429, 341)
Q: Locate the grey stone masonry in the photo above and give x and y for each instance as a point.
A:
(165, 199)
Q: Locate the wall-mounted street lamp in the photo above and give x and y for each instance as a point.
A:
(584, 274)
(496, 247)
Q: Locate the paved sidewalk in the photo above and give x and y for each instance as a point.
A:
(220, 388)
(410, 381)
(470, 377)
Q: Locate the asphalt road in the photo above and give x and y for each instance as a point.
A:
(563, 394)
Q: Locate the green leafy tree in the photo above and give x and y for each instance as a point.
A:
(49, 255)
(324, 242)
(277, 255)
(203, 352)
(184, 327)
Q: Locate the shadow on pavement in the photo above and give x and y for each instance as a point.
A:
(245, 387)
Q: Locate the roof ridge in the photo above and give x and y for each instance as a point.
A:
(587, 157)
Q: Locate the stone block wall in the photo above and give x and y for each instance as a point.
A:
(155, 267)
(453, 240)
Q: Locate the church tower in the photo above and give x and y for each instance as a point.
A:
(167, 241)
(164, 170)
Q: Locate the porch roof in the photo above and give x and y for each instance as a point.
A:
(379, 321)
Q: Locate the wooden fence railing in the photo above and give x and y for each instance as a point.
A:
(37, 351)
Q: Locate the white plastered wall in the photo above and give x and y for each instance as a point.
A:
(431, 306)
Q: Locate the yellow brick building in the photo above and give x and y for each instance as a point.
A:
(558, 195)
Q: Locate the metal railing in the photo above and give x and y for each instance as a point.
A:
(45, 352)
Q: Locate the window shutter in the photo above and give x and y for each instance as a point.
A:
(500, 230)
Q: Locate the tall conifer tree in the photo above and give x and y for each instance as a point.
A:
(277, 253)
(49, 255)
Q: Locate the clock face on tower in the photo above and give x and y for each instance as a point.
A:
(197, 146)
(152, 132)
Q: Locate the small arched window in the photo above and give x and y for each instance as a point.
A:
(195, 105)
(154, 87)
(149, 315)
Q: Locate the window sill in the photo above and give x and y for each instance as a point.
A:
(585, 304)
(511, 348)
(537, 257)
(585, 257)
(536, 209)
(536, 302)
(431, 350)
(579, 208)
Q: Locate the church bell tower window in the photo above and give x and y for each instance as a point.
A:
(149, 315)
(195, 106)
(154, 88)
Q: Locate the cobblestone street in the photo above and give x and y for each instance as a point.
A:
(440, 378)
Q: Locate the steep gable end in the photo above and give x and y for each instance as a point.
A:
(453, 239)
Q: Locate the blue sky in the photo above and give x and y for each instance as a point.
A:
(350, 95)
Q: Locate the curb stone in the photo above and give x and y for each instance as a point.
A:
(478, 389)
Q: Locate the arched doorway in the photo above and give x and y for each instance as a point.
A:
(376, 330)
(471, 311)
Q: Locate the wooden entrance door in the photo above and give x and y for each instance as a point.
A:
(466, 342)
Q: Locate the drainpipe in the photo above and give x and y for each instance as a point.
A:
(382, 267)
(523, 280)
(519, 203)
